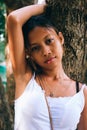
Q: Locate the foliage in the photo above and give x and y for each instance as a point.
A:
(2, 40)
(2, 29)
(2, 17)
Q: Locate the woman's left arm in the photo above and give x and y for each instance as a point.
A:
(83, 121)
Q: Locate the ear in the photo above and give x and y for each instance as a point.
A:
(61, 37)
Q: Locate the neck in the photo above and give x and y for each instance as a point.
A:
(56, 73)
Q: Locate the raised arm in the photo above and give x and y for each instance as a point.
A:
(15, 21)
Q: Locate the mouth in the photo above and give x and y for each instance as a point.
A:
(48, 61)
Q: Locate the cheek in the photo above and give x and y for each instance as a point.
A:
(36, 57)
(59, 48)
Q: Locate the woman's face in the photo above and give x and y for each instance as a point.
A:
(46, 47)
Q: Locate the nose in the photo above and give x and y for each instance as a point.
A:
(46, 51)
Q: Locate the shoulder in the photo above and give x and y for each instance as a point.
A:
(84, 88)
(85, 92)
(84, 113)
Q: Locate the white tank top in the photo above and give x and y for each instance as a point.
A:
(31, 111)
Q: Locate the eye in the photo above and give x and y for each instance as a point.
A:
(49, 40)
(35, 48)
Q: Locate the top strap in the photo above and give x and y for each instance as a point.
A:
(77, 90)
(77, 86)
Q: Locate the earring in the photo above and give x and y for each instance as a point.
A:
(27, 56)
(30, 61)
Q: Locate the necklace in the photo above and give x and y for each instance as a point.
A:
(45, 86)
(51, 93)
(48, 88)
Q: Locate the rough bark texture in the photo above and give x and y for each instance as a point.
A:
(11, 94)
(12, 5)
(5, 116)
(18, 3)
(70, 17)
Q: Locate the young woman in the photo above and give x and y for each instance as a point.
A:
(45, 97)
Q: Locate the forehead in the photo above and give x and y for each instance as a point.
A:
(39, 33)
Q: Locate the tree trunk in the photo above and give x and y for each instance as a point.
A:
(70, 17)
(12, 5)
(5, 117)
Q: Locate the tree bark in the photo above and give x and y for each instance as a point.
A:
(6, 122)
(12, 5)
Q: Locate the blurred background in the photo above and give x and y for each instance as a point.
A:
(2, 42)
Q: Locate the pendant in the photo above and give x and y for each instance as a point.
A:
(51, 94)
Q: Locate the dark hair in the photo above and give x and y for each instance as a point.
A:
(35, 21)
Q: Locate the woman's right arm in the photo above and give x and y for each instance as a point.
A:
(15, 21)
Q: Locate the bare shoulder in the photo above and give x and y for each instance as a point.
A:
(83, 120)
(85, 91)
(81, 85)
(84, 86)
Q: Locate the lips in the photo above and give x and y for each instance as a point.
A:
(48, 61)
